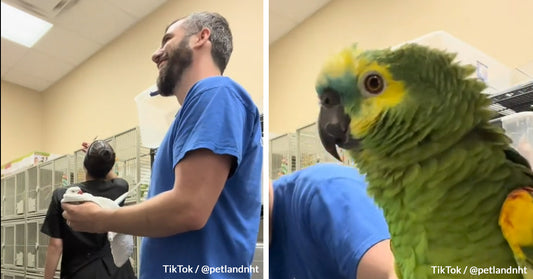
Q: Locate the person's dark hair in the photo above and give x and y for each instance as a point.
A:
(221, 38)
(99, 159)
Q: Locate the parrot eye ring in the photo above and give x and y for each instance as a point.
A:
(373, 83)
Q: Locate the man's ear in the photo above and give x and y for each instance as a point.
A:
(202, 37)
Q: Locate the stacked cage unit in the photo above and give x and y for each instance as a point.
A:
(26, 196)
(310, 149)
(282, 155)
(296, 151)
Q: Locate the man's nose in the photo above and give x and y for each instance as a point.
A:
(157, 55)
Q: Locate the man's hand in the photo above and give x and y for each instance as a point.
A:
(85, 146)
(85, 217)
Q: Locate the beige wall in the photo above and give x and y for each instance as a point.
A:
(96, 99)
(501, 29)
(22, 121)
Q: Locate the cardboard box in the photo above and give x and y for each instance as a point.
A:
(24, 162)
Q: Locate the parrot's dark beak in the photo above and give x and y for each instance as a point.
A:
(333, 129)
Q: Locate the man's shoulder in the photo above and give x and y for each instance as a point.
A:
(326, 174)
(321, 174)
(216, 81)
(322, 184)
(97, 187)
(221, 85)
(119, 182)
(61, 190)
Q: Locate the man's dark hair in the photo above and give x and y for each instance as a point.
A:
(99, 159)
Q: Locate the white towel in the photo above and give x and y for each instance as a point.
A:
(121, 244)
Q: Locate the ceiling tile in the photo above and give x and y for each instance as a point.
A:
(285, 15)
(67, 45)
(297, 9)
(11, 54)
(105, 22)
(137, 8)
(278, 26)
(24, 79)
(43, 66)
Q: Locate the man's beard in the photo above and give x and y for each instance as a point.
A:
(170, 75)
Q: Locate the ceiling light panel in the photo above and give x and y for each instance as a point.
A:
(21, 27)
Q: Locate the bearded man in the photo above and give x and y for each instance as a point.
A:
(204, 200)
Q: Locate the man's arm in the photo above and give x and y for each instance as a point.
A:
(377, 262)
(55, 248)
(200, 178)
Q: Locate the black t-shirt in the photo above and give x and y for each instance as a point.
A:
(80, 249)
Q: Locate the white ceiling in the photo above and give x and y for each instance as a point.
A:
(285, 15)
(81, 28)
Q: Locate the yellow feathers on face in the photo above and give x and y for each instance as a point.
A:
(371, 106)
(338, 66)
(353, 74)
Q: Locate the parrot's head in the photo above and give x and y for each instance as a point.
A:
(379, 98)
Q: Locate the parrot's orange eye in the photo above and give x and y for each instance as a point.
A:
(374, 84)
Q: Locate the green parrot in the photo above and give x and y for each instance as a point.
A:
(418, 126)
